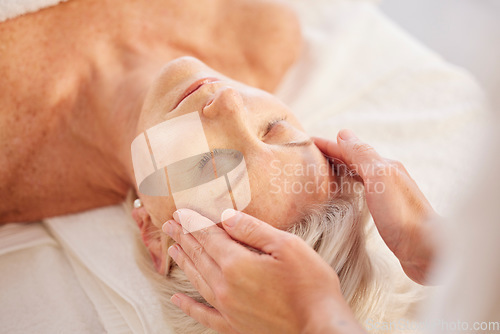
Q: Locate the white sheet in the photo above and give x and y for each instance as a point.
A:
(360, 71)
(357, 70)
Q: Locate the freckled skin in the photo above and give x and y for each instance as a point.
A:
(74, 78)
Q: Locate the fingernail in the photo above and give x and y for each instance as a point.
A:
(177, 216)
(173, 251)
(347, 134)
(227, 214)
(176, 300)
(168, 228)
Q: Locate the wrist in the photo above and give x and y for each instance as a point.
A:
(332, 316)
(419, 250)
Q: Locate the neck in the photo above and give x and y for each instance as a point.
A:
(124, 67)
(89, 100)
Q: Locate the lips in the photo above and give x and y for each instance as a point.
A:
(194, 87)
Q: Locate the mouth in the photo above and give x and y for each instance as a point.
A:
(194, 87)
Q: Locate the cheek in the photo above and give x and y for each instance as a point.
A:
(274, 202)
(159, 208)
(281, 199)
(277, 212)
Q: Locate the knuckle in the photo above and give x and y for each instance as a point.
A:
(395, 164)
(390, 168)
(400, 167)
(209, 296)
(196, 253)
(289, 241)
(223, 296)
(202, 235)
(197, 280)
(249, 227)
(177, 235)
(228, 266)
(362, 148)
(186, 308)
(181, 260)
(379, 169)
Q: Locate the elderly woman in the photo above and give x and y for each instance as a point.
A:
(74, 77)
(77, 92)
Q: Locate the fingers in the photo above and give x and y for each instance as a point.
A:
(359, 156)
(194, 276)
(200, 259)
(192, 221)
(329, 147)
(214, 240)
(252, 231)
(208, 317)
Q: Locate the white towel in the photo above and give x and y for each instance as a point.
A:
(12, 8)
(39, 292)
(101, 247)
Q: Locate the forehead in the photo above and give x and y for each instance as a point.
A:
(282, 197)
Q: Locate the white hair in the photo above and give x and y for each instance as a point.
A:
(371, 279)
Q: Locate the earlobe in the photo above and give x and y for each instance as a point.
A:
(140, 215)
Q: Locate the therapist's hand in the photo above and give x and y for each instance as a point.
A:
(285, 288)
(401, 212)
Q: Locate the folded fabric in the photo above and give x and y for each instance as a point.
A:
(101, 247)
(39, 290)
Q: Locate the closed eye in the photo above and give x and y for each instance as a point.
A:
(284, 134)
(271, 124)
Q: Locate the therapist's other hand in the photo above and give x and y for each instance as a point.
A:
(400, 211)
(285, 288)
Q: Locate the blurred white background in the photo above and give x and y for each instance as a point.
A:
(464, 32)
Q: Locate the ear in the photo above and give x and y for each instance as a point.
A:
(152, 237)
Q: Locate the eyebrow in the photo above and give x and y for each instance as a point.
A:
(267, 127)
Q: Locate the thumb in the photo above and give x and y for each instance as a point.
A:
(251, 231)
(359, 156)
(330, 148)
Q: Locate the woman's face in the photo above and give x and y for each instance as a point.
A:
(286, 171)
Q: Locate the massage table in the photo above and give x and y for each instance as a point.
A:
(358, 70)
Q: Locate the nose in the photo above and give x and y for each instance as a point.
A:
(230, 117)
(227, 102)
